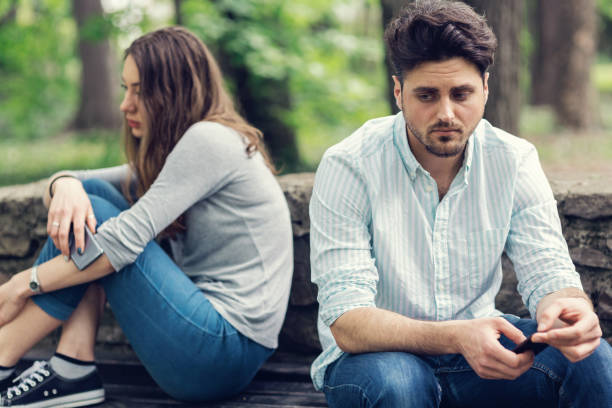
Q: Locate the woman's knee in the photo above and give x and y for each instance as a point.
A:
(103, 209)
(97, 186)
(105, 190)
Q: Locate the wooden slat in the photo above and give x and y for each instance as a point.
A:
(283, 382)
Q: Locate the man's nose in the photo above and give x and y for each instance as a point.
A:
(446, 111)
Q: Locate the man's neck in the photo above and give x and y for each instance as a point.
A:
(442, 169)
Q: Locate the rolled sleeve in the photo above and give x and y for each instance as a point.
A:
(342, 263)
(535, 243)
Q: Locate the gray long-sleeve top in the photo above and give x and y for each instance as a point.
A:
(238, 243)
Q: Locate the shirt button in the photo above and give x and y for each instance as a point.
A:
(428, 188)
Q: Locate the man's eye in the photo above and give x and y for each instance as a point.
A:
(124, 87)
(425, 97)
(460, 96)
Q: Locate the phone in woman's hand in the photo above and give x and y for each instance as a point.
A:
(90, 253)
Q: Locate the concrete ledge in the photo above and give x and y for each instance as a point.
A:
(585, 207)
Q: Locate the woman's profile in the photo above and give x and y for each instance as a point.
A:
(202, 311)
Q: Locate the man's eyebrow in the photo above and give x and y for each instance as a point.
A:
(424, 89)
(463, 88)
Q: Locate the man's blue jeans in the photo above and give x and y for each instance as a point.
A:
(190, 350)
(394, 379)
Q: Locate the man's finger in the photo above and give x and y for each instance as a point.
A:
(548, 317)
(511, 332)
(580, 352)
(586, 329)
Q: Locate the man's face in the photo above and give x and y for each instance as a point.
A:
(442, 102)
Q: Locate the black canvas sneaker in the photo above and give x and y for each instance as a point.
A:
(39, 387)
(8, 381)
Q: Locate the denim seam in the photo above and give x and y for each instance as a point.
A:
(361, 390)
(448, 370)
(181, 315)
(548, 371)
(553, 376)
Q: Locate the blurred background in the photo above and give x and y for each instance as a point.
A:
(306, 72)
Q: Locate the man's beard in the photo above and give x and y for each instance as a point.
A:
(436, 150)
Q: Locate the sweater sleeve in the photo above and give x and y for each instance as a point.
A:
(115, 175)
(202, 162)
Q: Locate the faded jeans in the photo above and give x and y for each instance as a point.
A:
(396, 379)
(189, 349)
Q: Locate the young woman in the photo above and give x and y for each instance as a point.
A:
(202, 320)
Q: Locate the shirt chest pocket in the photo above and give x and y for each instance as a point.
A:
(482, 251)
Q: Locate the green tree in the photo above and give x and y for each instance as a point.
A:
(37, 68)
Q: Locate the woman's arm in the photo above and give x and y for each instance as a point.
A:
(52, 275)
(115, 175)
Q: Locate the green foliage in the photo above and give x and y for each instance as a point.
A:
(334, 66)
(602, 77)
(38, 69)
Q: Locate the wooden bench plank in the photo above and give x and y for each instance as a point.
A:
(283, 382)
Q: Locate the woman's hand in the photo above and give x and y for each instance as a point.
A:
(70, 205)
(13, 297)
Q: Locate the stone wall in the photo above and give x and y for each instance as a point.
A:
(585, 207)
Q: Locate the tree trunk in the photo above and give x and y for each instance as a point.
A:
(264, 102)
(178, 15)
(10, 14)
(98, 106)
(390, 9)
(505, 18)
(565, 52)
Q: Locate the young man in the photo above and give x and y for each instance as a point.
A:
(409, 219)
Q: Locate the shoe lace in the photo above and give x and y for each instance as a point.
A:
(29, 379)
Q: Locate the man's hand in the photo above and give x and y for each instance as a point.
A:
(478, 343)
(570, 325)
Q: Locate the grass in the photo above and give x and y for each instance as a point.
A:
(26, 161)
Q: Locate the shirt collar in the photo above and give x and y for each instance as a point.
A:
(400, 139)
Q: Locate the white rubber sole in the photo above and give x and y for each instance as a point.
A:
(69, 401)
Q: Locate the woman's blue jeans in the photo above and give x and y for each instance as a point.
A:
(394, 379)
(188, 348)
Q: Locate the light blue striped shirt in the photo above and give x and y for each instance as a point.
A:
(380, 236)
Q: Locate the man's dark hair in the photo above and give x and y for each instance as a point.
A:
(437, 30)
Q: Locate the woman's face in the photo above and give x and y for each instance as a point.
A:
(132, 105)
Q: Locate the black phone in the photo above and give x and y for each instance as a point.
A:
(90, 253)
(530, 345)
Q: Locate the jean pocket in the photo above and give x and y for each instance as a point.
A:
(483, 251)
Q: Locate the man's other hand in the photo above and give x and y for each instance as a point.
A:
(479, 344)
(571, 326)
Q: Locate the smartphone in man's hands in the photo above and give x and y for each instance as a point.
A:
(91, 251)
(530, 345)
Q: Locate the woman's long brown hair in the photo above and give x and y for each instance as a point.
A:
(180, 84)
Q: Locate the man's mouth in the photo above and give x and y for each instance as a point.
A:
(444, 131)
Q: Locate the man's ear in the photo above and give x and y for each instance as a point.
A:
(485, 83)
(397, 91)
